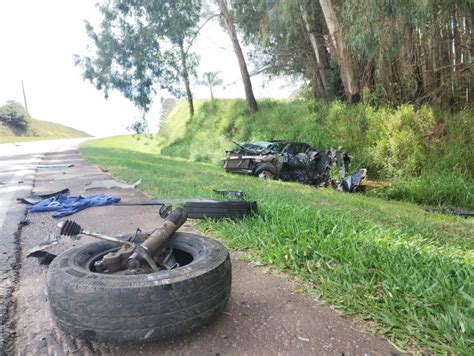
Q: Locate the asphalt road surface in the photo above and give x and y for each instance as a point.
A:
(18, 165)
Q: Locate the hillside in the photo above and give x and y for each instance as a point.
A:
(424, 153)
(40, 130)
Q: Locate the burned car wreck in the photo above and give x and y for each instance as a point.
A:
(292, 161)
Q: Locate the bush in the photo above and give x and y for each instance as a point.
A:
(14, 116)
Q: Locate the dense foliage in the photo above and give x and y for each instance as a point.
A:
(143, 46)
(13, 115)
(381, 51)
(425, 153)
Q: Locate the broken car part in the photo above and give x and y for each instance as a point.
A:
(62, 165)
(41, 252)
(44, 257)
(221, 209)
(137, 257)
(206, 209)
(452, 211)
(239, 194)
(138, 307)
(111, 184)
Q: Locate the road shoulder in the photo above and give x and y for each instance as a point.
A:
(264, 315)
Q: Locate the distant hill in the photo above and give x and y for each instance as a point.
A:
(38, 129)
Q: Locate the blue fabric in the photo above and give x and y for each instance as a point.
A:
(63, 205)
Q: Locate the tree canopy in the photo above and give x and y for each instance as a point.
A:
(381, 51)
(142, 46)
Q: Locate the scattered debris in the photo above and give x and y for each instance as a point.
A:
(160, 201)
(63, 205)
(302, 338)
(25, 222)
(452, 211)
(52, 194)
(40, 252)
(36, 198)
(29, 201)
(205, 209)
(44, 257)
(239, 194)
(132, 264)
(111, 184)
(62, 165)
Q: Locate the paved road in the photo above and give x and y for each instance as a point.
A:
(18, 164)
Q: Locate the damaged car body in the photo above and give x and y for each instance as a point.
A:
(290, 161)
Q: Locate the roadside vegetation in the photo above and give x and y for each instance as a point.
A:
(406, 272)
(426, 155)
(17, 126)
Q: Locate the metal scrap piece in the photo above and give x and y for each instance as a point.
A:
(111, 184)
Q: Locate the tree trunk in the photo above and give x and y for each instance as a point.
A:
(212, 94)
(251, 102)
(185, 74)
(407, 65)
(318, 53)
(468, 58)
(335, 35)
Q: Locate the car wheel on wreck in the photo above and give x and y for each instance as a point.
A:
(266, 171)
(125, 307)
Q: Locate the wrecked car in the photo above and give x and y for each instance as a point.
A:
(285, 160)
(294, 162)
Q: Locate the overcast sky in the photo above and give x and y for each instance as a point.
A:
(38, 40)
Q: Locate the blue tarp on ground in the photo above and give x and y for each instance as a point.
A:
(63, 205)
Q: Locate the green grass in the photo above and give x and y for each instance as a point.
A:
(39, 130)
(406, 272)
(419, 151)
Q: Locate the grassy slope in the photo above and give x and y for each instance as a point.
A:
(426, 154)
(407, 272)
(39, 130)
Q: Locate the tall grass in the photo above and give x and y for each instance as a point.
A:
(425, 153)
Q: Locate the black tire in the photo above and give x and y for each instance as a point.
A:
(266, 171)
(136, 308)
(220, 209)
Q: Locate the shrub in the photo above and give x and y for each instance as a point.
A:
(14, 116)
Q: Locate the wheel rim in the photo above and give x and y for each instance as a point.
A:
(265, 175)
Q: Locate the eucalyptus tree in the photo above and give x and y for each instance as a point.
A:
(413, 51)
(383, 51)
(290, 39)
(229, 24)
(142, 46)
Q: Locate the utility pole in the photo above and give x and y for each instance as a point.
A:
(24, 97)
